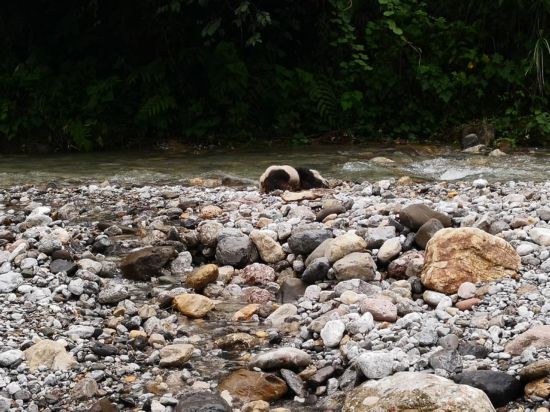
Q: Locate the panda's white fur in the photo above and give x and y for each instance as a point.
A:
(293, 180)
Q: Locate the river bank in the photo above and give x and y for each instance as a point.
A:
(240, 297)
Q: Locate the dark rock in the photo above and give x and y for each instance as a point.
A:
(474, 349)
(449, 360)
(316, 271)
(349, 379)
(62, 265)
(101, 245)
(236, 251)
(294, 382)
(500, 387)
(416, 215)
(426, 231)
(202, 402)
(469, 140)
(305, 238)
(145, 263)
(331, 207)
(103, 349)
(291, 290)
(408, 244)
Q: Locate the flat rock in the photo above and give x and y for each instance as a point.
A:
(281, 314)
(416, 391)
(375, 364)
(381, 309)
(455, 256)
(343, 245)
(10, 281)
(202, 402)
(536, 370)
(540, 236)
(537, 337)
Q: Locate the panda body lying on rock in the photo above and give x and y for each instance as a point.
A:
(289, 178)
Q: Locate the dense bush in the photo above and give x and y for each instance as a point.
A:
(96, 73)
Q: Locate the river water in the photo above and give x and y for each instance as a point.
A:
(355, 163)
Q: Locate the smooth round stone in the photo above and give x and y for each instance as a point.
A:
(332, 333)
(467, 290)
(433, 298)
(525, 248)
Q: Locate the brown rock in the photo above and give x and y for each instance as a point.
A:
(468, 303)
(536, 370)
(237, 341)
(538, 337)
(201, 277)
(210, 212)
(146, 262)
(245, 313)
(257, 274)
(407, 265)
(193, 305)
(416, 215)
(455, 256)
(381, 309)
(175, 355)
(540, 388)
(252, 386)
(103, 405)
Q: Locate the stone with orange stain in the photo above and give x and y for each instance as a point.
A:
(455, 256)
(245, 313)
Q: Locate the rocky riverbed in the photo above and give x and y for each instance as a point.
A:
(377, 296)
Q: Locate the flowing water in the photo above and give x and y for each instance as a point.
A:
(341, 162)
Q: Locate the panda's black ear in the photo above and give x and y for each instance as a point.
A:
(309, 179)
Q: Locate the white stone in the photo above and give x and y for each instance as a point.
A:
(375, 364)
(540, 236)
(389, 250)
(332, 333)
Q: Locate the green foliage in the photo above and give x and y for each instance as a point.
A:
(92, 75)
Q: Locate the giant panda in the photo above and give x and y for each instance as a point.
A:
(289, 178)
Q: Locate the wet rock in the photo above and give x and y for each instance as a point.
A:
(237, 341)
(50, 354)
(415, 215)
(175, 355)
(306, 238)
(537, 337)
(389, 250)
(356, 265)
(381, 309)
(145, 263)
(236, 251)
(316, 271)
(10, 281)
(257, 274)
(201, 277)
(62, 265)
(291, 290)
(193, 305)
(287, 357)
(455, 256)
(500, 387)
(426, 232)
(343, 245)
(202, 402)
(416, 391)
(269, 249)
(251, 385)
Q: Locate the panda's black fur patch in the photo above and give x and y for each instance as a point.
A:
(309, 180)
(276, 179)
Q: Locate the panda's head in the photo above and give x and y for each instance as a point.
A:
(279, 178)
(310, 178)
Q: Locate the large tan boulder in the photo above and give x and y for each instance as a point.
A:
(455, 256)
(416, 391)
(537, 337)
(252, 385)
